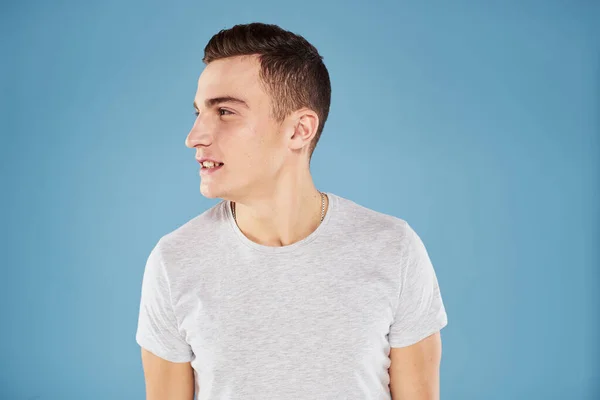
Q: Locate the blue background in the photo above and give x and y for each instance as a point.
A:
(478, 122)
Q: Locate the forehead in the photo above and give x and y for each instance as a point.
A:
(233, 76)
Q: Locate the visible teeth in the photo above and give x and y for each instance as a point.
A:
(210, 164)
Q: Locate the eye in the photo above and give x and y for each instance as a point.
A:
(223, 111)
(196, 113)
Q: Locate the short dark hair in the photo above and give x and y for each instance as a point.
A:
(291, 68)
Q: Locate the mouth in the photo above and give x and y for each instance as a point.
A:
(210, 164)
(209, 167)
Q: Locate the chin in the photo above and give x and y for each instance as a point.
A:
(210, 192)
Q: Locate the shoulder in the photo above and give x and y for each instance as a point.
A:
(180, 252)
(193, 238)
(385, 241)
(365, 220)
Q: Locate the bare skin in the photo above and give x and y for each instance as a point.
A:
(167, 380)
(415, 370)
(266, 173)
(266, 162)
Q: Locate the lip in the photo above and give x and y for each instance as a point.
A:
(209, 171)
(201, 160)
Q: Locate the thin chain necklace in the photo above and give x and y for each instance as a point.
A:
(322, 208)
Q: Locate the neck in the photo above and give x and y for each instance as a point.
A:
(284, 214)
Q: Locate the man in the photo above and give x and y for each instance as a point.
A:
(282, 291)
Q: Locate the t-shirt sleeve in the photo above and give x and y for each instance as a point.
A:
(420, 311)
(158, 330)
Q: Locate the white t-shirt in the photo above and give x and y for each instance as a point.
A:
(311, 320)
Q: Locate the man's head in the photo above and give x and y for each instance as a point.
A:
(261, 103)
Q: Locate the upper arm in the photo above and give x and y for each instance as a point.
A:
(420, 310)
(166, 354)
(167, 380)
(414, 370)
(414, 335)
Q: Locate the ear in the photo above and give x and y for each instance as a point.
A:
(304, 128)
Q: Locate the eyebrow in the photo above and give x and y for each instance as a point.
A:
(223, 99)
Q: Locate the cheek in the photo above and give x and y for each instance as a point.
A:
(243, 146)
(254, 149)
(262, 156)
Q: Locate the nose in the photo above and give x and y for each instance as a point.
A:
(201, 133)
